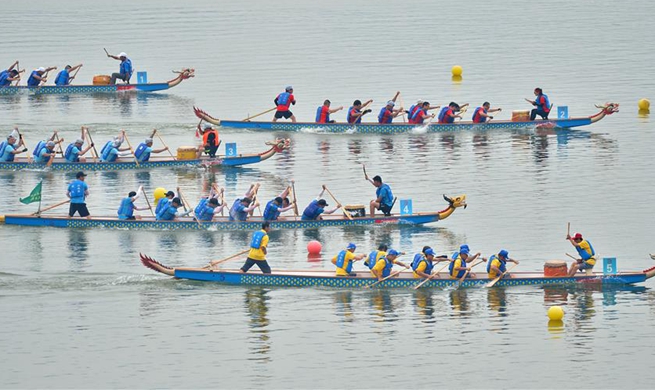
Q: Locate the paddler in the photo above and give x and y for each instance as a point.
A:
(323, 112)
(242, 207)
(458, 267)
(64, 77)
(541, 103)
(208, 207)
(9, 75)
(387, 113)
(112, 149)
(124, 71)
(355, 112)
(585, 250)
(210, 141)
(143, 151)
(317, 207)
(448, 114)
(277, 205)
(37, 77)
(258, 251)
(163, 202)
(46, 153)
(481, 114)
(345, 259)
(9, 148)
(77, 192)
(383, 267)
(497, 264)
(283, 101)
(74, 151)
(421, 114)
(376, 255)
(127, 207)
(41, 147)
(423, 262)
(384, 196)
(169, 211)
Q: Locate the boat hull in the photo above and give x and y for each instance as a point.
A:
(82, 89)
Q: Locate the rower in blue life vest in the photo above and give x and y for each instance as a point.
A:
(38, 76)
(242, 207)
(64, 77)
(46, 152)
(163, 202)
(448, 114)
(9, 75)
(383, 267)
(112, 149)
(282, 102)
(481, 114)
(143, 151)
(125, 69)
(77, 192)
(323, 112)
(387, 113)
(497, 265)
(424, 262)
(345, 259)
(169, 211)
(208, 206)
(459, 266)
(10, 148)
(258, 250)
(355, 112)
(317, 207)
(420, 113)
(541, 103)
(384, 197)
(587, 254)
(74, 151)
(127, 206)
(278, 205)
(376, 255)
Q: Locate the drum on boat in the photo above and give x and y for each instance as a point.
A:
(356, 210)
(555, 268)
(187, 153)
(521, 116)
(101, 79)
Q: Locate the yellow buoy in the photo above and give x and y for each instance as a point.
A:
(457, 71)
(644, 104)
(158, 194)
(556, 313)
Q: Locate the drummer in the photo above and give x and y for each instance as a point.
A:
(384, 197)
(585, 250)
(497, 264)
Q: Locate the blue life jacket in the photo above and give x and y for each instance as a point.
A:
(451, 266)
(319, 111)
(348, 116)
(201, 206)
(442, 113)
(40, 157)
(205, 214)
(257, 237)
(283, 98)
(388, 195)
(546, 105)
(126, 68)
(503, 264)
(584, 254)
(455, 254)
(106, 152)
(341, 261)
(418, 258)
(387, 267)
(166, 214)
(126, 209)
(32, 82)
(107, 146)
(477, 116)
(62, 78)
(37, 149)
(271, 211)
(236, 215)
(139, 152)
(370, 262)
(381, 116)
(77, 189)
(4, 76)
(312, 211)
(3, 148)
(68, 154)
(161, 205)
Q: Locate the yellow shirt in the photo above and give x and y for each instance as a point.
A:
(492, 272)
(457, 263)
(346, 261)
(584, 245)
(258, 254)
(421, 267)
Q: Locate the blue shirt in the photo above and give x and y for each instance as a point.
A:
(168, 214)
(7, 156)
(77, 191)
(145, 156)
(112, 155)
(32, 82)
(126, 67)
(63, 78)
(4, 78)
(74, 154)
(384, 192)
(42, 158)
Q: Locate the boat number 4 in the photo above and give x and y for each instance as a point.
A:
(405, 207)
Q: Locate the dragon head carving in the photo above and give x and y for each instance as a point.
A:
(186, 73)
(609, 108)
(280, 144)
(457, 201)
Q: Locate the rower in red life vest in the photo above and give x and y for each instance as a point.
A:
(283, 101)
(345, 259)
(323, 112)
(387, 113)
(355, 112)
(448, 114)
(541, 103)
(481, 114)
(421, 114)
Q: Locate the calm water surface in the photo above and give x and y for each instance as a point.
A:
(80, 311)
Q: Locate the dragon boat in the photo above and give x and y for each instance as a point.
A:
(183, 74)
(393, 128)
(60, 164)
(326, 278)
(223, 223)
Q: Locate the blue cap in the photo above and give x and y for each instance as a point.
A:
(392, 252)
(351, 246)
(464, 247)
(503, 253)
(429, 252)
(464, 251)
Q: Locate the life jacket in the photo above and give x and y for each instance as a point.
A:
(341, 261)
(388, 264)
(283, 101)
(477, 118)
(77, 189)
(420, 257)
(503, 264)
(106, 155)
(68, 154)
(543, 102)
(62, 78)
(161, 205)
(201, 206)
(140, 154)
(385, 116)
(387, 200)
(271, 211)
(205, 214)
(323, 114)
(37, 149)
(205, 137)
(586, 256)
(418, 118)
(167, 213)
(32, 82)
(257, 237)
(126, 209)
(413, 110)
(40, 158)
(352, 111)
(3, 148)
(4, 76)
(105, 149)
(312, 211)
(236, 215)
(126, 68)
(444, 115)
(373, 258)
(451, 267)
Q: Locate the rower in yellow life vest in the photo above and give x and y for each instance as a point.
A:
(424, 262)
(382, 268)
(585, 250)
(345, 259)
(459, 266)
(497, 264)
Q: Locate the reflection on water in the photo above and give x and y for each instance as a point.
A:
(78, 246)
(497, 300)
(459, 303)
(343, 303)
(424, 304)
(382, 306)
(256, 305)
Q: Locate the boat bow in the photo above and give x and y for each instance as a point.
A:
(453, 203)
(607, 109)
(206, 117)
(183, 74)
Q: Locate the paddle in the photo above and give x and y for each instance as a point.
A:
(147, 201)
(402, 104)
(106, 52)
(254, 198)
(94, 154)
(184, 203)
(61, 151)
(74, 74)
(388, 277)
(493, 282)
(22, 140)
(154, 131)
(459, 282)
(337, 202)
(51, 207)
(216, 262)
(260, 114)
(44, 79)
(295, 200)
(136, 160)
(434, 274)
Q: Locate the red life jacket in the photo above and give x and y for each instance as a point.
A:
(205, 137)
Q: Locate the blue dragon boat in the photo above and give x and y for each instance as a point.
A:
(183, 74)
(223, 223)
(394, 128)
(326, 278)
(60, 164)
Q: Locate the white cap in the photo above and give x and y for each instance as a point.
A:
(122, 54)
(11, 136)
(41, 69)
(50, 144)
(391, 103)
(79, 141)
(207, 126)
(419, 101)
(148, 140)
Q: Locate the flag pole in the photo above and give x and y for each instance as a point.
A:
(41, 183)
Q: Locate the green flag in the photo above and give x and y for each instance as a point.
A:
(34, 196)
